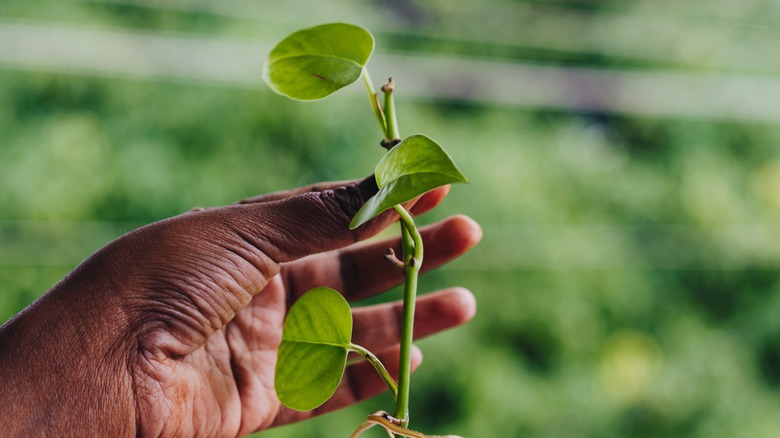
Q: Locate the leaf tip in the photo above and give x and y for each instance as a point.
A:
(357, 220)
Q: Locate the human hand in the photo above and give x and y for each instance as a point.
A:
(173, 329)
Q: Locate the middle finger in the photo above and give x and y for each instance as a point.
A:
(361, 270)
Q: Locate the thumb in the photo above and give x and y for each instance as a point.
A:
(308, 223)
(199, 269)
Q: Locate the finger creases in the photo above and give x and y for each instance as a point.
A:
(314, 221)
(284, 194)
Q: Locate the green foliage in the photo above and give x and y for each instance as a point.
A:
(595, 224)
(413, 167)
(314, 348)
(313, 63)
(308, 65)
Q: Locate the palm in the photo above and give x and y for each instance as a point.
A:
(225, 387)
(227, 384)
(223, 383)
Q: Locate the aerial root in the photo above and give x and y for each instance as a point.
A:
(392, 426)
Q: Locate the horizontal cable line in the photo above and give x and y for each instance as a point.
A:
(55, 243)
(626, 247)
(504, 248)
(711, 39)
(322, 12)
(186, 57)
(331, 11)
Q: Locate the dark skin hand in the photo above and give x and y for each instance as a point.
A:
(173, 329)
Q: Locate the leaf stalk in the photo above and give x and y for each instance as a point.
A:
(377, 364)
(373, 98)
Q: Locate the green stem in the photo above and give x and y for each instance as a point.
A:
(373, 97)
(390, 118)
(373, 360)
(413, 258)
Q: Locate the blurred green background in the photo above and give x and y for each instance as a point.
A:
(624, 162)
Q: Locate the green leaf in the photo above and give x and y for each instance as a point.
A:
(313, 63)
(314, 348)
(413, 167)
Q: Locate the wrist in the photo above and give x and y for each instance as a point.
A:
(56, 380)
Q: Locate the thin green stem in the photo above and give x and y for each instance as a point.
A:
(412, 247)
(413, 258)
(407, 242)
(390, 118)
(373, 98)
(373, 360)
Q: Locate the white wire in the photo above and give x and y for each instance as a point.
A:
(234, 62)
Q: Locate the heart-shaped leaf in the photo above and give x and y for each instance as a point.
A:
(312, 63)
(413, 167)
(314, 348)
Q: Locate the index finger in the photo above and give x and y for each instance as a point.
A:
(284, 194)
(424, 203)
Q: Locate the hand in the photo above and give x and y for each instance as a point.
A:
(173, 329)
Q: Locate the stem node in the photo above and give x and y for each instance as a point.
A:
(388, 143)
(395, 261)
(389, 87)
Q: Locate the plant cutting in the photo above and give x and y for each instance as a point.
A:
(311, 64)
